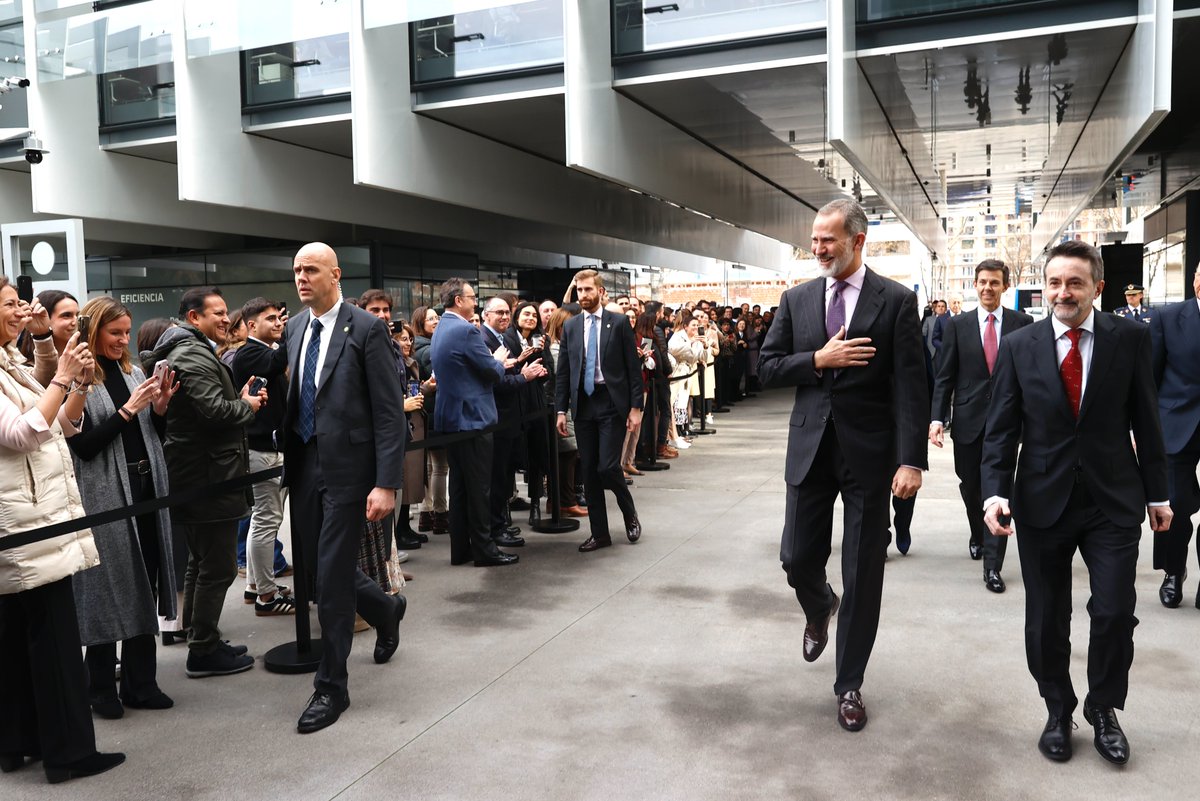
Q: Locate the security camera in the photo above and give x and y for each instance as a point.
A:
(33, 149)
(13, 82)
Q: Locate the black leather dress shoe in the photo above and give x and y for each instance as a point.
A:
(508, 540)
(407, 541)
(593, 544)
(852, 712)
(11, 762)
(82, 768)
(1055, 742)
(109, 708)
(535, 515)
(992, 580)
(1171, 591)
(518, 504)
(816, 633)
(387, 636)
(903, 541)
(976, 551)
(1110, 740)
(633, 529)
(497, 559)
(323, 710)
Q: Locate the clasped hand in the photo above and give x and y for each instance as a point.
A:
(840, 352)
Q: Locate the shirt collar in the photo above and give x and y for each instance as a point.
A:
(983, 313)
(495, 333)
(855, 279)
(259, 341)
(329, 318)
(1088, 324)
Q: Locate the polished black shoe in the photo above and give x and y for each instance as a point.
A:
(518, 504)
(593, 544)
(535, 515)
(323, 710)
(1055, 742)
(1110, 740)
(507, 539)
(903, 541)
(387, 636)
(816, 633)
(852, 712)
(82, 768)
(992, 580)
(629, 482)
(109, 709)
(407, 540)
(421, 538)
(976, 551)
(1171, 591)
(497, 559)
(633, 529)
(159, 700)
(11, 762)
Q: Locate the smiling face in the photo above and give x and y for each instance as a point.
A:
(838, 254)
(267, 326)
(213, 320)
(989, 286)
(527, 320)
(497, 315)
(1070, 289)
(112, 340)
(64, 320)
(431, 321)
(380, 309)
(12, 315)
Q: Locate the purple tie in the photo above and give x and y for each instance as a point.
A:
(835, 316)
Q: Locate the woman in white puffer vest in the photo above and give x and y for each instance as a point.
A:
(44, 710)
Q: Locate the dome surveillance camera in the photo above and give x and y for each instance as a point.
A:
(33, 149)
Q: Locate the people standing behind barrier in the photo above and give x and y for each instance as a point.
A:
(644, 339)
(527, 335)
(568, 450)
(707, 365)
(148, 335)
(233, 340)
(661, 376)
(206, 444)
(415, 399)
(545, 311)
(261, 357)
(118, 462)
(466, 372)
(688, 347)
(433, 516)
(63, 309)
(44, 712)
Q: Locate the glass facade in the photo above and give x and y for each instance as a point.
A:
(503, 39)
(641, 26)
(307, 70)
(14, 107)
(880, 10)
(227, 26)
(138, 95)
(120, 39)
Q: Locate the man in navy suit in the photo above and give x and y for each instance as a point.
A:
(343, 458)
(600, 384)
(850, 343)
(1067, 391)
(1175, 333)
(466, 372)
(970, 345)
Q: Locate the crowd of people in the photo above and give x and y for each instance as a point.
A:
(539, 417)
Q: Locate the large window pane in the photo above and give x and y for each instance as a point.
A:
(142, 94)
(14, 108)
(10, 10)
(647, 25)
(225, 26)
(297, 70)
(512, 37)
(122, 38)
(878, 10)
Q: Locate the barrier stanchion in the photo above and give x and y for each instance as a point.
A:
(701, 370)
(557, 524)
(303, 655)
(649, 439)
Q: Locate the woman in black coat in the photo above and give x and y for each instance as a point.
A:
(524, 333)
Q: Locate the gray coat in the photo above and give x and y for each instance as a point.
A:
(114, 600)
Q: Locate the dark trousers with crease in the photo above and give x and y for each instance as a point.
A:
(807, 544)
(329, 531)
(1110, 553)
(501, 480)
(968, 456)
(600, 435)
(1171, 546)
(44, 707)
(469, 481)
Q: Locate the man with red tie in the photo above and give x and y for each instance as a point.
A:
(970, 344)
(1068, 390)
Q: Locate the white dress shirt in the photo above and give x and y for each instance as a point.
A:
(328, 321)
(983, 315)
(587, 327)
(849, 294)
(1062, 345)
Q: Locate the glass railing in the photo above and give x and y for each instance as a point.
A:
(488, 41)
(881, 10)
(226, 26)
(9, 10)
(14, 108)
(297, 71)
(137, 95)
(641, 26)
(117, 40)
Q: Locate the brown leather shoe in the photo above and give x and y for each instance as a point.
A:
(667, 452)
(593, 544)
(630, 470)
(852, 714)
(816, 635)
(574, 511)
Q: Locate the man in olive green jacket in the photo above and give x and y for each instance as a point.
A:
(206, 444)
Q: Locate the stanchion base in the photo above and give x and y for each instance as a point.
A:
(648, 467)
(287, 658)
(696, 431)
(547, 526)
(722, 411)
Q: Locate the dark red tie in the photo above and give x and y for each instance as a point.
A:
(1072, 372)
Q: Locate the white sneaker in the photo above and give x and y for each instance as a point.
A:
(681, 445)
(708, 419)
(401, 557)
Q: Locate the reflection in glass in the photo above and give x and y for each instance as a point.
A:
(514, 37)
(645, 25)
(14, 109)
(226, 26)
(291, 71)
(9, 10)
(141, 94)
(121, 38)
(878, 10)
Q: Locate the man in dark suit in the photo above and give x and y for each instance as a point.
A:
(344, 432)
(1068, 390)
(850, 342)
(466, 372)
(497, 317)
(600, 384)
(970, 345)
(1133, 308)
(1175, 334)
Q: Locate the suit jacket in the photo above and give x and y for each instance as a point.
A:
(879, 411)
(465, 372)
(359, 423)
(1142, 315)
(533, 394)
(1029, 406)
(256, 359)
(618, 361)
(1175, 335)
(963, 375)
(511, 386)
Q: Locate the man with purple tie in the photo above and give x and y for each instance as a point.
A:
(850, 343)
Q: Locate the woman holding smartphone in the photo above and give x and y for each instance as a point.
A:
(525, 336)
(119, 461)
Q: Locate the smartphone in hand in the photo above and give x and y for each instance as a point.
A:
(25, 288)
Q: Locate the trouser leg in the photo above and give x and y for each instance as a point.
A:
(1111, 554)
(212, 567)
(265, 520)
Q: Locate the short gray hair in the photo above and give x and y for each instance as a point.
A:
(854, 219)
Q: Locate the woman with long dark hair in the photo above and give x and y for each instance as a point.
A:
(434, 516)
(526, 333)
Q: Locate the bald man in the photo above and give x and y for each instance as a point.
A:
(344, 434)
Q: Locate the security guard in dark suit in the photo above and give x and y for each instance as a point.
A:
(1133, 308)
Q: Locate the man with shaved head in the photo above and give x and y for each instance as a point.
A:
(344, 435)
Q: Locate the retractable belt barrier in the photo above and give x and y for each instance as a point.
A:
(196, 493)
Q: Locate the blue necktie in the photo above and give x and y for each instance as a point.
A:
(593, 352)
(308, 385)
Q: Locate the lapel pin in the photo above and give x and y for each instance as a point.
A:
(346, 330)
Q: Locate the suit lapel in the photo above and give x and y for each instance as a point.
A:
(606, 332)
(870, 303)
(341, 330)
(970, 342)
(1104, 341)
(1045, 356)
(296, 341)
(814, 308)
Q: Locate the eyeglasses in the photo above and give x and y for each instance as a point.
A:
(500, 312)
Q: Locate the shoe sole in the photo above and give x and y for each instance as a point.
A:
(203, 674)
(1054, 757)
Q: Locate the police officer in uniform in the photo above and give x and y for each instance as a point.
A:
(1133, 308)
